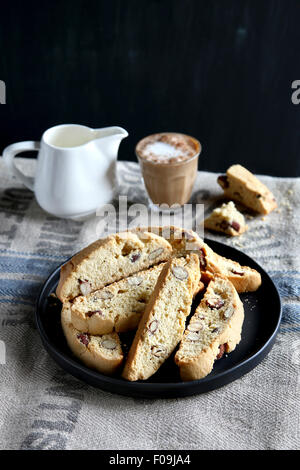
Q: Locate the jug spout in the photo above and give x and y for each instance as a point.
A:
(107, 140)
(111, 132)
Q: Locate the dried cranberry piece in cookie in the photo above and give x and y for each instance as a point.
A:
(221, 351)
(236, 226)
(223, 181)
(202, 259)
(93, 312)
(84, 338)
(135, 257)
(237, 272)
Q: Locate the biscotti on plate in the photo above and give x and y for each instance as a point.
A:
(103, 353)
(244, 278)
(215, 328)
(185, 241)
(226, 219)
(118, 306)
(110, 259)
(242, 186)
(163, 322)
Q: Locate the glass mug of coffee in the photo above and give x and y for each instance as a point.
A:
(169, 163)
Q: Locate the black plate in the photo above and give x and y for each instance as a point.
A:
(262, 319)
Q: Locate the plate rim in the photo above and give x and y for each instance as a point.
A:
(145, 387)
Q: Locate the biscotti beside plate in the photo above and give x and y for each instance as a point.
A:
(103, 353)
(215, 328)
(163, 322)
(110, 259)
(226, 219)
(242, 186)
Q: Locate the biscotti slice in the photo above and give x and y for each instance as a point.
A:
(244, 278)
(103, 353)
(215, 328)
(242, 186)
(183, 241)
(226, 219)
(109, 260)
(118, 306)
(163, 322)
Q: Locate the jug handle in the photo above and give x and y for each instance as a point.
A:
(9, 154)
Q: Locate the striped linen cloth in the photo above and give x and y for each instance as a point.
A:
(42, 407)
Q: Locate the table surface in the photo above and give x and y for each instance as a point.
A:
(42, 407)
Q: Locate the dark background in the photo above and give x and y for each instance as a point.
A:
(218, 70)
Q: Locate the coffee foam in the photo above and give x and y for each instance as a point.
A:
(162, 150)
(166, 148)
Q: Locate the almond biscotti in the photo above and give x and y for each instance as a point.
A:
(103, 353)
(242, 186)
(118, 306)
(109, 260)
(243, 278)
(226, 219)
(185, 241)
(215, 328)
(163, 322)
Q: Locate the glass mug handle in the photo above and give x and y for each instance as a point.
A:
(9, 154)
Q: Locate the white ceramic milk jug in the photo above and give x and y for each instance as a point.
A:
(75, 171)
